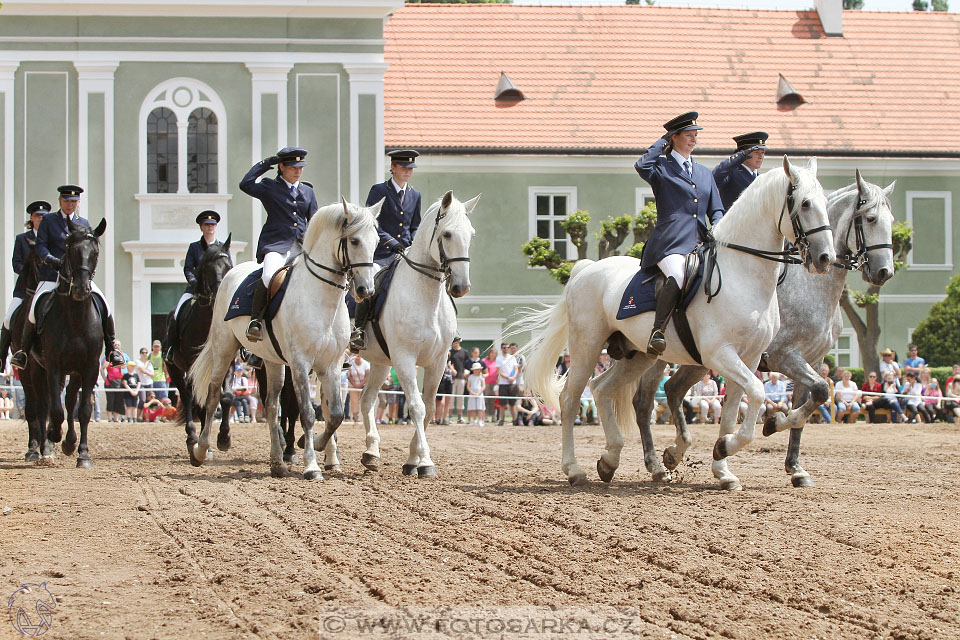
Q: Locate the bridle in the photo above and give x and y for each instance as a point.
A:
(206, 296)
(67, 276)
(444, 268)
(345, 270)
(860, 258)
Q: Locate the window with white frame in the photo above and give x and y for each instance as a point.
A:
(642, 197)
(548, 208)
(846, 350)
(162, 153)
(930, 215)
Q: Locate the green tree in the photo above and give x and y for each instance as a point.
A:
(853, 4)
(868, 326)
(937, 337)
(940, 5)
(920, 5)
(576, 227)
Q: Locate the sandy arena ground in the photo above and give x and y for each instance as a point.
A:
(146, 546)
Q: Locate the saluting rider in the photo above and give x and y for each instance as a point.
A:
(738, 172)
(687, 197)
(289, 203)
(51, 246)
(208, 221)
(21, 249)
(397, 223)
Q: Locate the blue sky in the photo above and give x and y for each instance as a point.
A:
(868, 5)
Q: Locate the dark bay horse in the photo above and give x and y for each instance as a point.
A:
(194, 325)
(31, 277)
(69, 343)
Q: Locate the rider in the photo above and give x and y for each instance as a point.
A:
(290, 203)
(208, 228)
(686, 198)
(21, 249)
(397, 223)
(738, 172)
(51, 246)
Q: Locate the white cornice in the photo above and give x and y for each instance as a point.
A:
(912, 298)
(161, 40)
(258, 57)
(205, 8)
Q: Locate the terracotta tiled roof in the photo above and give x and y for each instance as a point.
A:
(603, 79)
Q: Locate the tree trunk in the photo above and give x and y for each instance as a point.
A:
(611, 241)
(868, 331)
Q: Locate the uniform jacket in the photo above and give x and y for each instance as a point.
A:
(286, 218)
(21, 251)
(194, 252)
(732, 178)
(683, 205)
(52, 240)
(396, 224)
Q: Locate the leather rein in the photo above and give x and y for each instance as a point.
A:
(66, 277)
(345, 270)
(444, 267)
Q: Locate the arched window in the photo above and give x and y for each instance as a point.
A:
(162, 151)
(202, 151)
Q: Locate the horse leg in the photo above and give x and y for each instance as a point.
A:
(793, 365)
(83, 453)
(408, 382)
(222, 357)
(731, 439)
(613, 392)
(69, 444)
(643, 401)
(271, 400)
(35, 413)
(300, 372)
(798, 476)
(676, 388)
(54, 419)
(431, 380)
(368, 405)
(223, 436)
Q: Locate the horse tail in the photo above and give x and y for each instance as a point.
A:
(201, 372)
(623, 408)
(543, 350)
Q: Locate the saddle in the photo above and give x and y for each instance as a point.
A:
(371, 307)
(277, 281)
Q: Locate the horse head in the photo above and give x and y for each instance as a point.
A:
(32, 267)
(806, 205)
(214, 265)
(453, 232)
(359, 240)
(873, 231)
(79, 262)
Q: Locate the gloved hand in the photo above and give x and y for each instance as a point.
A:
(669, 134)
(272, 160)
(54, 262)
(747, 152)
(398, 248)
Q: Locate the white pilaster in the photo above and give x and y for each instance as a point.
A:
(266, 79)
(7, 71)
(97, 77)
(365, 79)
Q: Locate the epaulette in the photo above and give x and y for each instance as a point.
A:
(309, 184)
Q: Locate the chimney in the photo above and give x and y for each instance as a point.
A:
(831, 17)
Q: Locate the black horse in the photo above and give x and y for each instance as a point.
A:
(30, 277)
(194, 325)
(69, 342)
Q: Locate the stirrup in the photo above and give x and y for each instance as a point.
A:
(254, 331)
(657, 344)
(358, 341)
(115, 358)
(19, 360)
(254, 361)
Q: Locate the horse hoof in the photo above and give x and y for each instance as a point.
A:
(84, 463)
(770, 425)
(409, 469)
(604, 470)
(332, 467)
(802, 481)
(194, 460)
(577, 479)
(45, 461)
(662, 476)
(223, 442)
(315, 474)
(720, 449)
(669, 461)
(68, 447)
(31, 456)
(279, 470)
(370, 461)
(731, 485)
(428, 471)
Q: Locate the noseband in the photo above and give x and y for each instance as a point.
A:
(802, 242)
(68, 271)
(860, 258)
(444, 267)
(346, 267)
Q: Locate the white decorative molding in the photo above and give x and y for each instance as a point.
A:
(947, 198)
(171, 217)
(912, 298)
(166, 41)
(365, 79)
(209, 57)
(641, 194)
(292, 9)
(7, 75)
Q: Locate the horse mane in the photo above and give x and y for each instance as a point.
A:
(762, 195)
(331, 216)
(455, 215)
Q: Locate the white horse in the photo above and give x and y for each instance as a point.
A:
(311, 328)
(731, 332)
(419, 321)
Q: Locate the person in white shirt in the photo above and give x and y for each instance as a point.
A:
(847, 397)
(357, 377)
(507, 382)
(887, 363)
(707, 394)
(775, 395)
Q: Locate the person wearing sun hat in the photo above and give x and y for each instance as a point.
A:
(22, 246)
(687, 200)
(208, 221)
(289, 203)
(738, 172)
(51, 246)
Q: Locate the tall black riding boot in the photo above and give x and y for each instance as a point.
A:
(666, 303)
(113, 356)
(358, 338)
(172, 337)
(257, 309)
(5, 337)
(19, 359)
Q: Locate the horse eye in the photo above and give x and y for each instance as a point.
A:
(806, 203)
(446, 235)
(354, 241)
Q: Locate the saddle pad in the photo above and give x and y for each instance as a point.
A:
(640, 294)
(242, 299)
(381, 286)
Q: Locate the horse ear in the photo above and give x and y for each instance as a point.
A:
(226, 245)
(790, 171)
(888, 190)
(100, 228)
(447, 200)
(470, 204)
(375, 209)
(346, 208)
(812, 165)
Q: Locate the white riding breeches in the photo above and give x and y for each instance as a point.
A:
(183, 299)
(13, 306)
(46, 285)
(672, 267)
(271, 264)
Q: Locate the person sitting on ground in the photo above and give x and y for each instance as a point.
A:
(951, 407)
(547, 415)
(847, 397)
(169, 411)
(6, 404)
(526, 409)
(775, 395)
(152, 407)
(913, 391)
(931, 409)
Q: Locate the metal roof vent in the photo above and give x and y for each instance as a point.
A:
(787, 97)
(506, 90)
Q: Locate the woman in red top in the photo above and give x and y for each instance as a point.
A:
(490, 384)
(872, 385)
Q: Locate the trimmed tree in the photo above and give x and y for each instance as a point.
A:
(937, 337)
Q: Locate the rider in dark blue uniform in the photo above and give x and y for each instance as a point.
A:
(51, 245)
(738, 172)
(290, 203)
(208, 221)
(21, 250)
(687, 198)
(397, 223)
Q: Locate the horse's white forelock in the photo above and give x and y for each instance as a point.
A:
(843, 201)
(767, 192)
(456, 215)
(332, 216)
